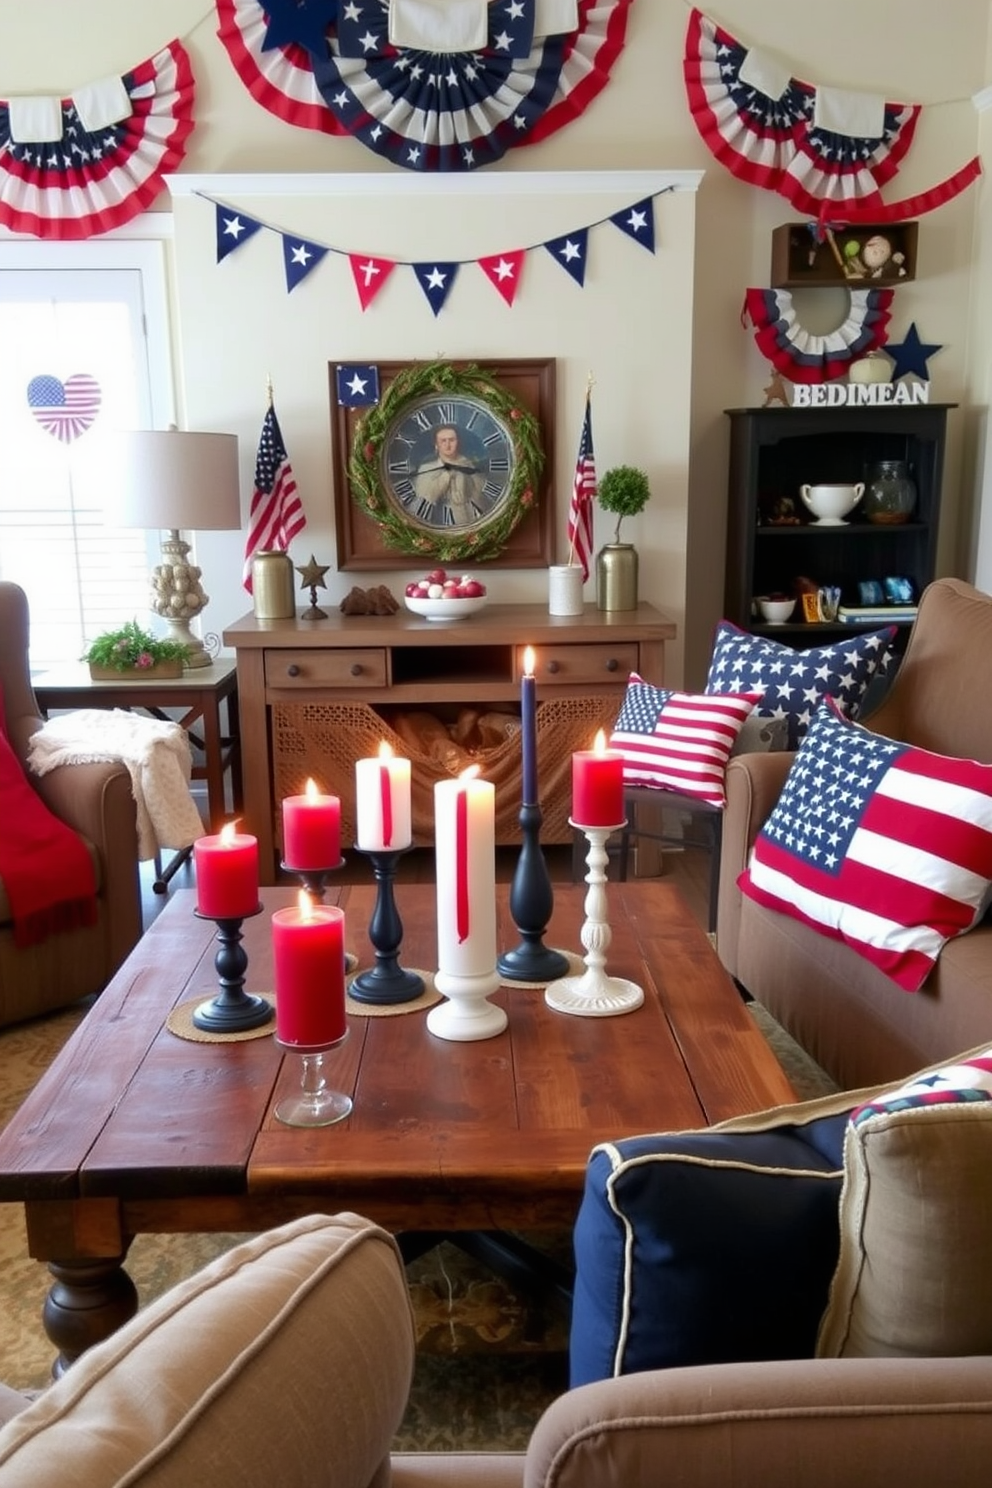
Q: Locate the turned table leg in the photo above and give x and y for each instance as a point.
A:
(87, 1301)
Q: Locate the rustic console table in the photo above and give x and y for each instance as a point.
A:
(304, 686)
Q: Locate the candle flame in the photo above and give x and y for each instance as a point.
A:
(470, 773)
(228, 832)
(385, 750)
(311, 790)
(305, 905)
(600, 745)
(528, 661)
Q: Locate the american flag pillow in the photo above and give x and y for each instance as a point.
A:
(879, 844)
(969, 1079)
(678, 741)
(793, 683)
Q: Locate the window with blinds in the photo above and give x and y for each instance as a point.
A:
(84, 347)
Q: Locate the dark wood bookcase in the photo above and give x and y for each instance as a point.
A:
(775, 450)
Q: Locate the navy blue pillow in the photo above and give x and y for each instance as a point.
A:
(707, 1247)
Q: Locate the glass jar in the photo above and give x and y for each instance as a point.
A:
(890, 493)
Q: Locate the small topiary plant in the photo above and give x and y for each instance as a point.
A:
(624, 491)
(129, 648)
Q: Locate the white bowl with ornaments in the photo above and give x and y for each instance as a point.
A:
(443, 596)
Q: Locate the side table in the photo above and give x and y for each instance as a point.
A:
(208, 698)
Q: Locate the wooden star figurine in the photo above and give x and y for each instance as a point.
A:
(312, 577)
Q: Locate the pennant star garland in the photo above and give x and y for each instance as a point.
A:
(427, 100)
(436, 278)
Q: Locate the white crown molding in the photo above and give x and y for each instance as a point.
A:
(637, 183)
(982, 100)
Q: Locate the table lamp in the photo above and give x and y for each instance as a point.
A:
(174, 479)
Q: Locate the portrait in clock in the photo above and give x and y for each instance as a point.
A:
(453, 463)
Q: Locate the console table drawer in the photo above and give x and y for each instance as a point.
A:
(309, 669)
(567, 665)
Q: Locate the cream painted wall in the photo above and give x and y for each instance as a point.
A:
(673, 419)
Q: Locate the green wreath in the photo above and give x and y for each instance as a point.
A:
(364, 475)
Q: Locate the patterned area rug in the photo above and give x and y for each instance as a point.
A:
(489, 1359)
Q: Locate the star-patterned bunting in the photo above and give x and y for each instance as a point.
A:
(570, 251)
(370, 274)
(637, 222)
(504, 270)
(357, 384)
(300, 258)
(233, 229)
(436, 279)
(911, 355)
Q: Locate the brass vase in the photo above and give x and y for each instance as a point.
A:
(616, 577)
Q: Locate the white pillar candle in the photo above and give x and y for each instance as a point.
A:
(383, 811)
(465, 851)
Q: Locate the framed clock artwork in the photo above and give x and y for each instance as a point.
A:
(452, 465)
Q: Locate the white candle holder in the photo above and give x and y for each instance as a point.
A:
(467, 1014)
(594, 994)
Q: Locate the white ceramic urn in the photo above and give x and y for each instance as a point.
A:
(830, 504)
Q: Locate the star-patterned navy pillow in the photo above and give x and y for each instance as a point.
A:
(794, 683)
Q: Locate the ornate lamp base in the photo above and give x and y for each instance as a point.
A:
(594, 994)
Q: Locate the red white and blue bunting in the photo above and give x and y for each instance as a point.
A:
(451, 109)
(799, 139)
(804, 356)
(72, 168)
(504, 270)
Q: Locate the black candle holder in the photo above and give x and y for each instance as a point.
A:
(385, 983)
(233, 1010)
(531, 903)
(314, 880)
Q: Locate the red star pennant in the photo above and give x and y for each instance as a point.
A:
(503, 270)
(370, 274)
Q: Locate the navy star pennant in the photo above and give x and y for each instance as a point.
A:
(303, 22)
(637, 222)
(357, 384)
(300, 258)
(911, 355)
(436, 279)
(570, 252)
(233, 229)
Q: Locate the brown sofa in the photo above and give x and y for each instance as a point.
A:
(854, 1021)
(94, 799)
(288, 1361)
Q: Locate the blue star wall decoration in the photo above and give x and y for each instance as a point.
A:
(910, 355)
(302, 21)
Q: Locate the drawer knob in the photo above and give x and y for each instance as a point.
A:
(612, 664)
(553, 666)
(292, 670)
(356, 669)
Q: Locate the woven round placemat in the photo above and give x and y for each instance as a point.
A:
(576, 966)
(427, 999)
(180, 1022)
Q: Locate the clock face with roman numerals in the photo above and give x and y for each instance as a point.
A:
(447, 464)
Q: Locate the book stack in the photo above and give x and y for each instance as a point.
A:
(899, 614)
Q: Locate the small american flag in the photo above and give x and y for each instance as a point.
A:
(583, 495)
(65, 409)
(879, 844)
(276, 515)
(679, 741)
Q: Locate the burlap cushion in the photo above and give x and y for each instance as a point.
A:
(913, 1276)
(293, 1350)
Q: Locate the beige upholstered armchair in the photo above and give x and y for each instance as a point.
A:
(96, 801)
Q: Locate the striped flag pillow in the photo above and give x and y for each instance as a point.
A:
(679, 741)
(879, 844)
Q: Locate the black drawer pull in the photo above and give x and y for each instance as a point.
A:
(292, 670)
(356, 668)
(612, 664)
(553, 666)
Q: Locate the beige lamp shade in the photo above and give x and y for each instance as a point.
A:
(172, 478)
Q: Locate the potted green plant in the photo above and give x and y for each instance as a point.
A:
(624, 491)
(132, 652)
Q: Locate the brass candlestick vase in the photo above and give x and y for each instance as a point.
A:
(616, 577)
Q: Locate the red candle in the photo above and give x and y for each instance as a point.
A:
(226, 874)
(597, 786)
(308, 947)
(311, 830)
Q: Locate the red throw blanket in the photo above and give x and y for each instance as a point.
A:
(45, 866)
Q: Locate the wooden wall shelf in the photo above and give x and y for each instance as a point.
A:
(798, 260)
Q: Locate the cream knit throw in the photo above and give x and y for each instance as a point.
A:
(157, 755)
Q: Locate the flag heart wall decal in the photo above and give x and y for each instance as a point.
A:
(65, 409)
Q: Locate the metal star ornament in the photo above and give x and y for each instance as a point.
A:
(312, 578)
(910, 355)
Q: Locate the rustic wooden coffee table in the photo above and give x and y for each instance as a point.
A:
(133, 1129)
